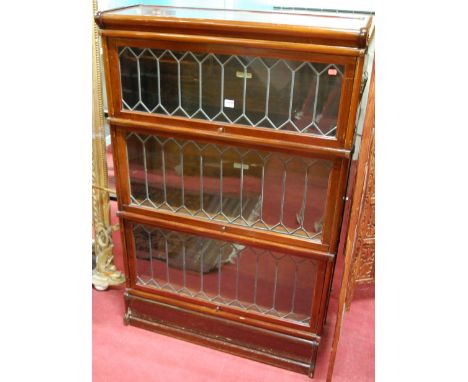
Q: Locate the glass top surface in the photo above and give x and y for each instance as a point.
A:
(295, 18)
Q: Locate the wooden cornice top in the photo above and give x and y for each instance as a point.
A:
(346, 30)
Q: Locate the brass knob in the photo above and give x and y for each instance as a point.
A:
(220, 129)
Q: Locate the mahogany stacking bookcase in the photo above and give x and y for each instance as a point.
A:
(232, 134)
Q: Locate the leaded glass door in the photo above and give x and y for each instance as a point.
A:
(232, 142)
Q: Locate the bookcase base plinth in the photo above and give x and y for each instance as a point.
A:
(267, 346)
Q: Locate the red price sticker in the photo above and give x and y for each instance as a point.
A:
(332, 72)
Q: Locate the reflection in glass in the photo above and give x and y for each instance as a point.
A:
(258, 189)
(280, 94)
(225, 273)
(129, 78)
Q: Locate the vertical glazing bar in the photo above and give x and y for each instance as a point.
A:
(124, 104)
(317, 83)
(179, 90)
(201, 271)
(267, 96)
(257, 258)
(166, 248)
(222, 89)
(143, 143)
(219, 270)
(293, 297)
(200, 84)
(183, 264)
(201, 182)
(275, 285)
(150, 254)
(159, 82)
(291, 95)
(221, 183)
(241, 191)
(304, 198)
(139, 82)
(163, 165)
(181, 155)
(130, 176)
(262, 184)
(244, 90)
(283, 192)
(237, 276)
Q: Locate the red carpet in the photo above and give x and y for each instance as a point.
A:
(124, 353)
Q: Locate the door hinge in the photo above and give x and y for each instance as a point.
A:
(365, 77)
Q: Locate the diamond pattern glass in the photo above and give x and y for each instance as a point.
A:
(225, 273)
(247, 187)
(302, 97)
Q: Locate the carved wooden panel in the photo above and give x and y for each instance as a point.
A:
(363, 268)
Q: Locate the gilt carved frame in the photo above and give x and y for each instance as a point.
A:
(105, 273)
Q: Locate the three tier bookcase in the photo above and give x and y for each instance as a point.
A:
(232, 135)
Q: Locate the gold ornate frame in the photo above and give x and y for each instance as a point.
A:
(105, 274)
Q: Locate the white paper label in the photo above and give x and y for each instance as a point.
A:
(241, 165)
(229, 103)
